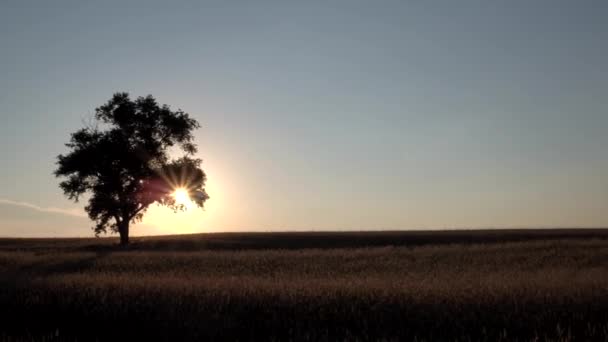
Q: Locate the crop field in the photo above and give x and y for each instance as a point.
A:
(509, 285)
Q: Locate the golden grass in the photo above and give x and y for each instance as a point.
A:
(527, 290)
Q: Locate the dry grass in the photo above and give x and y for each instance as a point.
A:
(173, 289)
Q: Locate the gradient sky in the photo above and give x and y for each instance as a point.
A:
(323, 114)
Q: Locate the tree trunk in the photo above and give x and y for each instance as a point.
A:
(123, 230)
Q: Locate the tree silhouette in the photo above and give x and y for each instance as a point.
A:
(123, 162)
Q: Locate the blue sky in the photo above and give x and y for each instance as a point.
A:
(323, 114)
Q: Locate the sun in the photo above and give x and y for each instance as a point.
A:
(182, 197)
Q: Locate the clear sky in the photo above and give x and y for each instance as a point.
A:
(323, 115)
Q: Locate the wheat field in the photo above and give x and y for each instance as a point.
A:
(389, 286)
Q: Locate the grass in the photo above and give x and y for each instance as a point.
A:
(540, 285)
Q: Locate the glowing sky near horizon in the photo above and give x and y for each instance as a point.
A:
(323, 115)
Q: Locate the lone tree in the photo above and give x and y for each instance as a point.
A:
(123, 162)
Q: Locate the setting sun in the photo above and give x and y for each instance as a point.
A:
(181, 196)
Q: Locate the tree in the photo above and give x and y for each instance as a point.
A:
(123, 162)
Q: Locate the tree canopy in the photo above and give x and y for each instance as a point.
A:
(123, 161)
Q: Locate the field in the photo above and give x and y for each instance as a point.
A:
(505, 285)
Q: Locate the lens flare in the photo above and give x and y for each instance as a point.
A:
(182, 197)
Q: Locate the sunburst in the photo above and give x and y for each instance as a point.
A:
(181, 196)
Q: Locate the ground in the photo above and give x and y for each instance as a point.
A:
(455, 285)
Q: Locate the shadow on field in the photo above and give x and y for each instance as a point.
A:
(23, 275)
(331, 240)
(299, 240)
(76, 264)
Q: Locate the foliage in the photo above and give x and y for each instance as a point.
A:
(123, 162)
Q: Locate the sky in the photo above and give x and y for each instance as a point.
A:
(322, 115)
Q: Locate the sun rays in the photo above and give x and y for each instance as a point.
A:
(182, 197)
